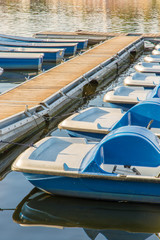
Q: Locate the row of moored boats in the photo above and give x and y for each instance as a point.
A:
(29, 53)
(112, 154)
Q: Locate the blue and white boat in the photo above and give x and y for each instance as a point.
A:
(21, 61)
(49, 55)
(41, 209)
(157, 47)
(148, 46)
(152, 58)
(156, 52)
(92, 123)
(145, 67)
(81, 43)
(70, 48)
(95, 122)
(124, 96)
(147, 80)
(124, 166)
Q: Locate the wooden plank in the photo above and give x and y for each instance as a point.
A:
(44, 85)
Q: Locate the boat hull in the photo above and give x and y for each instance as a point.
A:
(21, 64)
(49, 55)
(56, 57)
(21, 61)
(81, 43)
(89, 135)
(70, 49)
(98, 188)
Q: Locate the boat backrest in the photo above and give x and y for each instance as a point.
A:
(130, 146)
(155, 93)
(141, 114)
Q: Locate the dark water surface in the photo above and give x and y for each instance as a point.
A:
(40, 216)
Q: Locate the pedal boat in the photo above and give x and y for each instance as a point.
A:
(124, 166)
(152, 59)
(94, 123)
(157, 47)
(146, 80)
(156, 52)
(129, 96)
(145, 67)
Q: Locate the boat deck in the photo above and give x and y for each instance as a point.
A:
(36, 90)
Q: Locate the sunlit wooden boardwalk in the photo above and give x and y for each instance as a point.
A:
(36, 90)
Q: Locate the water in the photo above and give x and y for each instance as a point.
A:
(117, 221)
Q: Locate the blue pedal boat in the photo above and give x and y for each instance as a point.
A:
(21, 61)
(156, 52)
(152, 58)
(157, 47)
(49, 55)
(94, 123)
(81, 43)
(146, 80)
(41, 209)
(129, 96)
(124, 166)
(70, 48)
(145, 67)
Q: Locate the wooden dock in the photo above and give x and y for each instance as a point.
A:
(42, 86)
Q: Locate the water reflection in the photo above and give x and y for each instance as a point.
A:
(25, 17)
(113, 220)
(11, 79)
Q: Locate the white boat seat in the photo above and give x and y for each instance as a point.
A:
(131, 170)
(156, 131)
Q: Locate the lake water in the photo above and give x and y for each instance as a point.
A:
(40, 216)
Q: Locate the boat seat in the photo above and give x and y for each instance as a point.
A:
(131, 170)
(156, 131)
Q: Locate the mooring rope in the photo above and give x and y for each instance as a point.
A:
(19, 144)
(7, 209)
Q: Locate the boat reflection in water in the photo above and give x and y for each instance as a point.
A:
(99, 219)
